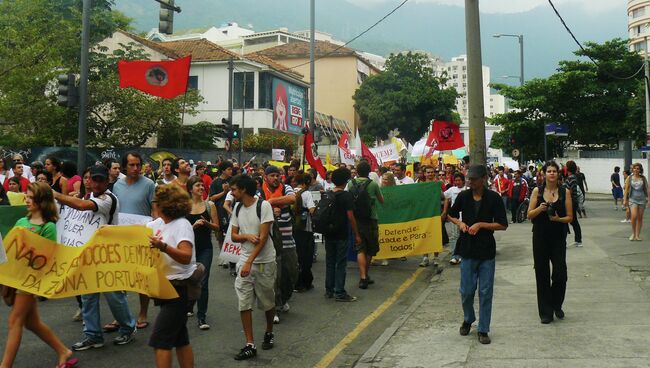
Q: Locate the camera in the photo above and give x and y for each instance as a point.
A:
(551, 209)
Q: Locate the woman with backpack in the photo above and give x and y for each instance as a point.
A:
(204, 220)
(550, 210)
(636, 198)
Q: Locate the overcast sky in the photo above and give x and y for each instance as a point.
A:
(515, 6)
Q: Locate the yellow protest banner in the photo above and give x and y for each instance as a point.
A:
(409, 220)
(115, 258)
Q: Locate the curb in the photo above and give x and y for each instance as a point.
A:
(369, 356)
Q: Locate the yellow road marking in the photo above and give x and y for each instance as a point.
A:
(347, 340)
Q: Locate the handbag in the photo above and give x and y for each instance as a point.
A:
(8, 294)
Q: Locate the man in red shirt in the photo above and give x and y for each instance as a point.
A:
(17, 168)
(205, 178)
(502, 185)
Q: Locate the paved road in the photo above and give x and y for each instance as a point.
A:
(310, 331)
(607, 308)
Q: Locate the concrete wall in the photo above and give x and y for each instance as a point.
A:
(597, 172)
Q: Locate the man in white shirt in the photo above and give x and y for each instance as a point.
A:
(400, 174)
(256, 269)
(104, 205)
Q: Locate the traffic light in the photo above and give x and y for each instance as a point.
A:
(234, 133)
(67, 91)
(166, 24)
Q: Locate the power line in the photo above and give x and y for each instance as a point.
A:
(585, 51)
(354, 38)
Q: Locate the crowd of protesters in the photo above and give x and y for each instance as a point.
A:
(272, 213)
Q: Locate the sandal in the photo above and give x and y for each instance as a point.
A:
(70, 363)
(111, 327)
(142, 325)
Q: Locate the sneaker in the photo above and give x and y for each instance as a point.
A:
(425, 261)
(346, 298)
(464, 328)
(124, 339)
(370, 281)
(86, 344)
(623, 221)
(453, 261)
(233, 273)
(269, 340)
(190, 314)
(578, 244)
(363, 284)
(483, 338)
(203, 325)
(247, 352)
(403, 259)
(276, 319)
(559, 314)
(285, 308)
(384, 262)
(77, 316)
(546, 320)
(329, 294)
(615, 208)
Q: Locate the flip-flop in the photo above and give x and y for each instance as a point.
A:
(70, 363)
(142, 325)
(111, 327)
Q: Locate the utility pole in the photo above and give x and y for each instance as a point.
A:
(475, 84)
(243, 112)
(647, 101)
(230, 87)
(83, 85)
(312, 63)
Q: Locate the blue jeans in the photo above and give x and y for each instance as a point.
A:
(336, 262)
(119, 307)
(481, 272)
(204, 256)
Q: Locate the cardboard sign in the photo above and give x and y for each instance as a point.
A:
(131, 219)
(347, 157)
(75, 227)
(385, 153)
(277, 154)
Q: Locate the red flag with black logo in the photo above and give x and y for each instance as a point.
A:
(367, 154)
(445, 136)
(311, 154)
(166, 79)
(344, 142)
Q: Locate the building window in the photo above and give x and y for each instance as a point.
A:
(638, 12)
(464, 67)
(454, 76)
(238, 90)
(265, 91)
(640, 46)
(193, 82)
(455, 67)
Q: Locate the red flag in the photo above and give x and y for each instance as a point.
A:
(446, 136)
(311, 154)
(372, 160)
(344, 142)
(166, 79)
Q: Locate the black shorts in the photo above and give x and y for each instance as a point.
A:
(170, 327)
(369, 231)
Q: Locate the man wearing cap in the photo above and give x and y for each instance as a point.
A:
(483, 214)
(281, 196)
(104, 206)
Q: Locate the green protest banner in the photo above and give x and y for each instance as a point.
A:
(8, 217)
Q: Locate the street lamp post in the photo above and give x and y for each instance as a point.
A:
(521, 53)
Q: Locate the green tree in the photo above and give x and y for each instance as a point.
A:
(407, 96)
(201, 135)
(597, 101)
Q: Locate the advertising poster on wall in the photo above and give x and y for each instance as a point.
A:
(289, 106)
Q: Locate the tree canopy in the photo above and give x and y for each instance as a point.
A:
(41, 39)
(407, 95)
(598, 100)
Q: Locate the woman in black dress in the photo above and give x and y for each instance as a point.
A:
(550, 210)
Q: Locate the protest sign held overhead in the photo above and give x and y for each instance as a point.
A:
(115, 258)
(445, 136)
(408, 225)
(277, 154)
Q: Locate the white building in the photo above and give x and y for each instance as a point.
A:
(638, 22)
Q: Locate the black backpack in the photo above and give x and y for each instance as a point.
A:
(362, 201)
(327, 219)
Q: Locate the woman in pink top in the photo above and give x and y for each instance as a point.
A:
(69, 171)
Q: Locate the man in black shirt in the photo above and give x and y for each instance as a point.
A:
(617, 190)
(483, 214)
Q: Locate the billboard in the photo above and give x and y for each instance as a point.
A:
(289, 106)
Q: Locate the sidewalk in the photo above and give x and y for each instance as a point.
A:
(607, 308)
